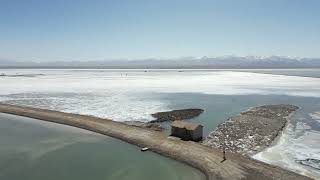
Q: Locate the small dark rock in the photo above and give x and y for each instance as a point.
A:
(314, 163)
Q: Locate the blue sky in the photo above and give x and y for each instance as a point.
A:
(55, 30)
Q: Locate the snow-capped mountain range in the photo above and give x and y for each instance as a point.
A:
(184, 62)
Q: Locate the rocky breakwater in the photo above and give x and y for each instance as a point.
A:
(251, 131)
(160, 117)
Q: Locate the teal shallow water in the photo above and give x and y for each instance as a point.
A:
(35, 150)
(218, 108)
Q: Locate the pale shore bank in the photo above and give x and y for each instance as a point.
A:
(206, 159)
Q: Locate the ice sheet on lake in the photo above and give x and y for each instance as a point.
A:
(123, 94)
(220, 82)
(113, 105)
(297, 142)
(132, 95)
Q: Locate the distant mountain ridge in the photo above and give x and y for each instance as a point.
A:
(186, 62)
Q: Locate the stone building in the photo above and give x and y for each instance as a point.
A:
(186, 130)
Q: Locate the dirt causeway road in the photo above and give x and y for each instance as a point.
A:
(206, 159)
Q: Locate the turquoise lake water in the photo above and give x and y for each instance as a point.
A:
(36, 150)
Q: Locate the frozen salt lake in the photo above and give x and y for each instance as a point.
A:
(125, 95)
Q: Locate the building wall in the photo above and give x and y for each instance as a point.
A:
(197, 134)
(194, 135)
(179, 132)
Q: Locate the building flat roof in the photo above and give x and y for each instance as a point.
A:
(185, 124)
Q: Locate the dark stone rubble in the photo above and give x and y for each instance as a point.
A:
(251, 131)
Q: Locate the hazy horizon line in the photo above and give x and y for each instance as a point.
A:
(162, 58)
